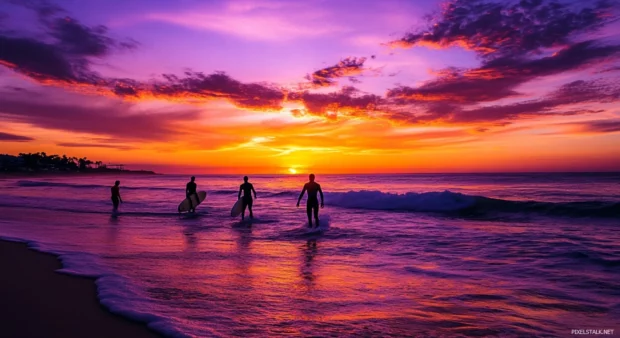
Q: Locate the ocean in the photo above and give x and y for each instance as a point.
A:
(396, 255)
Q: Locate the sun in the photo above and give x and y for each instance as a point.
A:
(292, 171)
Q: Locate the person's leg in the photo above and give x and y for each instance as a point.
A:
(197, 201)
(244, 205)
(309, 212)
(115, 203)
(189, 198)
(316, 215)
(250, 208)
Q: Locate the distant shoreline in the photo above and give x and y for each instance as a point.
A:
(93, 172)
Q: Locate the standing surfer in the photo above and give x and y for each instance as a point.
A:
(247, 189)
(116, 195)
(190, 189)
(312, 204)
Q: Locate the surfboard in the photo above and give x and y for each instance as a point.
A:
(184, 206)
(237, 208)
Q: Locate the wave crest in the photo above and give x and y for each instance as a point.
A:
(462, 204)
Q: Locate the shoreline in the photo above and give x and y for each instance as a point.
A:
(74, 173)
(39, 302)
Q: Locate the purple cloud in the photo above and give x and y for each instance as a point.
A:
(326, 77)
(76, 39)
(43, 62)
(64, 56)
(64, 53)
(510, 28)
(601, 126)
(217, 85)
(560, 102)
(499, 78)
(14, 138)
(88, 145)
(348, 101)
(114, 120)
(515, 41)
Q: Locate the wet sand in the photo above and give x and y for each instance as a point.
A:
(36, 301)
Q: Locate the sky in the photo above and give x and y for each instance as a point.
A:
(267, 86)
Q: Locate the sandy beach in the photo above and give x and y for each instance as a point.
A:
(39, 302)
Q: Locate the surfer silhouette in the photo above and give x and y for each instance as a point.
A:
(190, 189)
(312, 203)
(247, 189)
(116, 195)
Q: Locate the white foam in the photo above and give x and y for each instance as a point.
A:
(324, 221)
(116, 293)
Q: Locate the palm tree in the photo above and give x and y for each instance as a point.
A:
(41, 161)
(82, 163)
(73, 163)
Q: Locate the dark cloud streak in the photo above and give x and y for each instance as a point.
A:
(575, 93)
(116, 121)
(89, 145)
(14, 138)
(601, 126)
(327, 77)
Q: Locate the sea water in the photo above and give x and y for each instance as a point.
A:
(396, 255)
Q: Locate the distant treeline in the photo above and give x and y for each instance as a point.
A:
(43, 162)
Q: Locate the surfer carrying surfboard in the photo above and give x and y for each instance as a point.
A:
(190, 189)
(116, 195)
(312, 204)
(247, 189)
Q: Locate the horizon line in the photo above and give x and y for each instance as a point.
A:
(407, 173)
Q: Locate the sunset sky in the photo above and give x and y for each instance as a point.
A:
(324, 86)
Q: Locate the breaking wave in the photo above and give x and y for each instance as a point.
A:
(462, 204)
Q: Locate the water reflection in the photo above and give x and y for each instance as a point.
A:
(242, 257)
(309, 252)
(190, 240)
(112, 231)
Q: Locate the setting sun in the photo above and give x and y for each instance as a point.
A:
(292, 171)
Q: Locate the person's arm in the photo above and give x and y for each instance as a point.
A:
(119, 196)
(187, 189)
(303, 191)
(239, 195)
(254, 191)
(321, 192)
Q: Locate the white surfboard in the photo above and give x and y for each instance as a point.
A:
(184, 206)
(237, 208)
